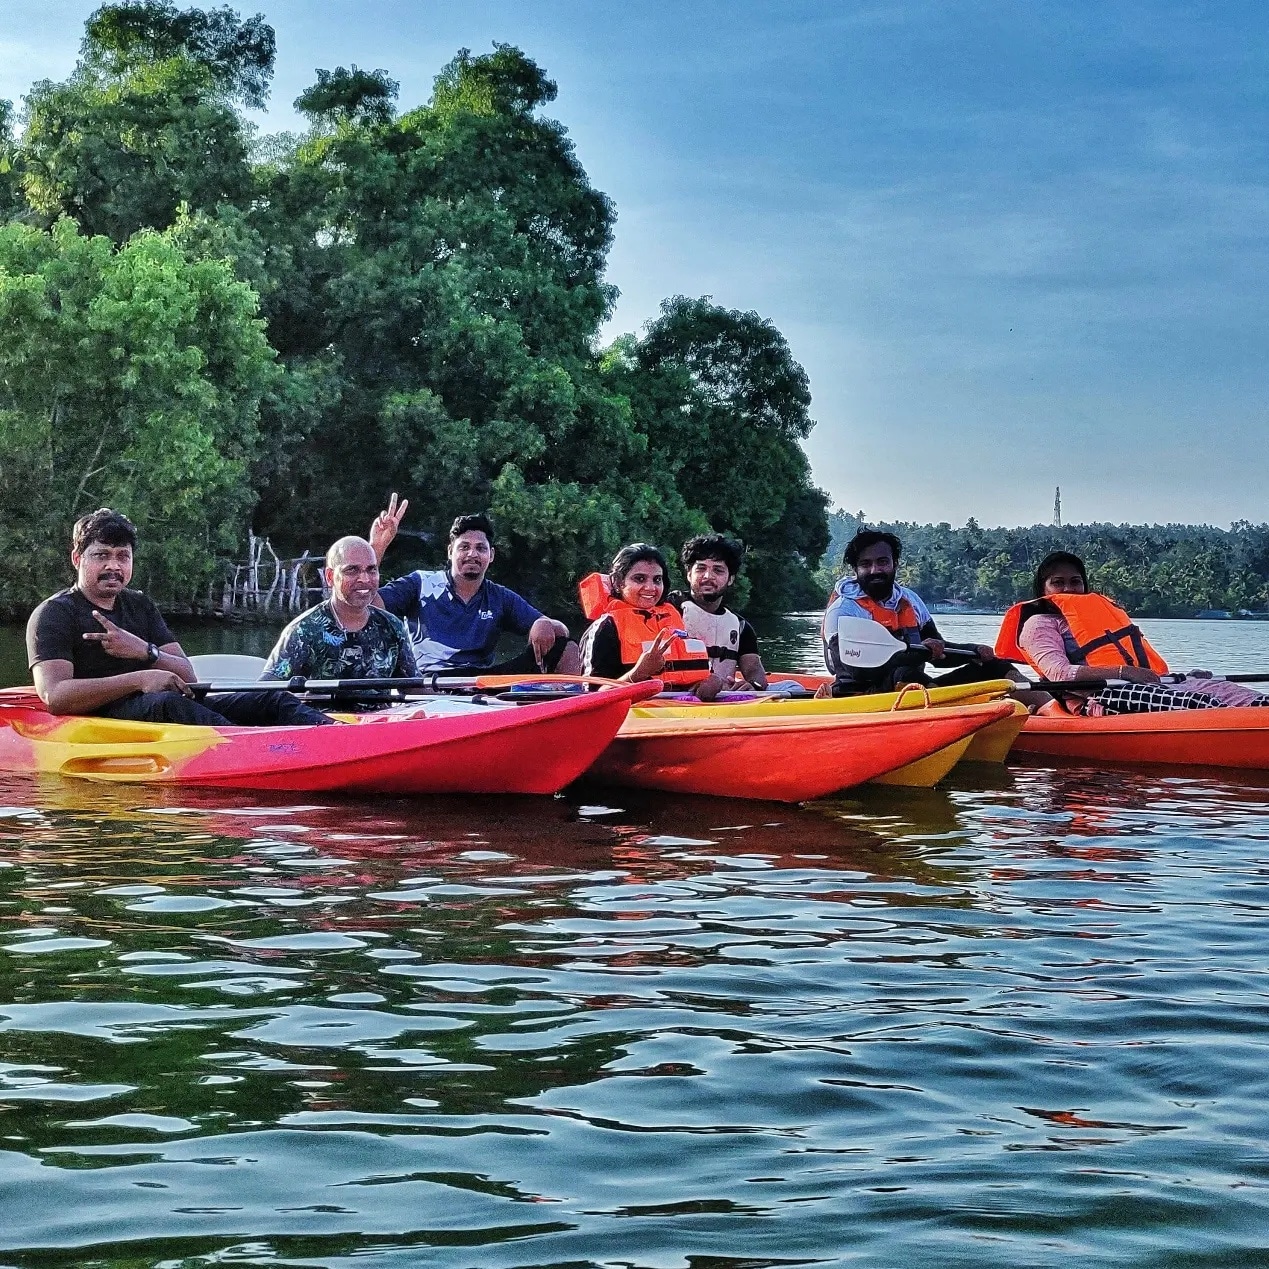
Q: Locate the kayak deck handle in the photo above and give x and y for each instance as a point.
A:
(132, 766)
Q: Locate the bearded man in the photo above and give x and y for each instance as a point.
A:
(872, 592)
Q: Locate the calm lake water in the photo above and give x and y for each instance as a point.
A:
(1021, 1020)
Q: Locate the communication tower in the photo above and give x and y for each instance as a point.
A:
(1057, 507)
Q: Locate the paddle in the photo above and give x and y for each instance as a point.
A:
(535, 685)
(868, 645)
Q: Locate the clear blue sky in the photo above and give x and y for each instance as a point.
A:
(1015, 243)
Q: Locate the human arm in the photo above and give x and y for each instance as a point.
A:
(63, 693)
(406, 667)
(542, 636)
(601, 654)
(751, 668)
(126, 646)
(384, 527)
(289, 656)
(1041, 639)
(933, 641)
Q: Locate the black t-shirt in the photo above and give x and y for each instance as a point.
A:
(57, 627)
(601, 650)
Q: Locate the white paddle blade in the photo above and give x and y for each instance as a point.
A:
(865, 644)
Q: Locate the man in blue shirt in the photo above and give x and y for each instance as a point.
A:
(455, 615)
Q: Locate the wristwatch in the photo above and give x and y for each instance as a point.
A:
(151, 653)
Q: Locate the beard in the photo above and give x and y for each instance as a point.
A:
(878, 586)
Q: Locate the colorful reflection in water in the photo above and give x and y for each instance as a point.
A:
(1023, 1021)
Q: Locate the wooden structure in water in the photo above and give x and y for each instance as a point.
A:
(266, 585)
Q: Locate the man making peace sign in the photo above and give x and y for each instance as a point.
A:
(100, 648)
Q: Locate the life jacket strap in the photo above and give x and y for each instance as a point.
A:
(1133, 650)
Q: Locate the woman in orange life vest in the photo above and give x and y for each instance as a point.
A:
(633, 635)
(1068, 633)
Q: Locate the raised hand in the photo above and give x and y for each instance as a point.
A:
(652, 661)
(385, 525)
(116, 642)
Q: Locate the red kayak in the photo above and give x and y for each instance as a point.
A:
(536, 748)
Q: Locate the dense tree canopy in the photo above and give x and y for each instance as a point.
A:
(431, 286)
(128, 377)
(1158, 570)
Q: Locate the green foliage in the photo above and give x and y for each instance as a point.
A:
(131, 378)
(345, 95)
(432, 283)
(122, 154)
(238, 56)
(1171, 570)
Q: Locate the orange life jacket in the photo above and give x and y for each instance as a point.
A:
(901, 621)
(1103, 633)
(687, 660)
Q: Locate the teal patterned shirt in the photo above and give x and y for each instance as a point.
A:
(316, 646)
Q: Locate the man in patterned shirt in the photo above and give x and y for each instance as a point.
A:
(346, 636)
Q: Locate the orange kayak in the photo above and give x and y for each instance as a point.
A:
(537, 748)
(1191, 737)
(789, 758)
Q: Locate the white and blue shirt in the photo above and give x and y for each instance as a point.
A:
(447, 633)
(844, 602)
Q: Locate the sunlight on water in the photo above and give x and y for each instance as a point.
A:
(1020, 1020)
(1023, 1021)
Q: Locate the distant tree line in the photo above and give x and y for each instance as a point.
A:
(1157, 570)
(211, 329)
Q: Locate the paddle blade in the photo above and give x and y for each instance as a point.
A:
(865, 644)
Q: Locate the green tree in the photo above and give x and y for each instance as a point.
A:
(129, 377)
(146, 123)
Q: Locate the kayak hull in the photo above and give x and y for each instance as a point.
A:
(989, 744)
(782, 759)
(1236, 738)
(536, 748)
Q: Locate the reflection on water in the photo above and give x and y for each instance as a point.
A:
(1020, 1022)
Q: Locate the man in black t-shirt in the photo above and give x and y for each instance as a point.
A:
(100, 648)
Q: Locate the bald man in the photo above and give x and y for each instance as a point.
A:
(345, 636)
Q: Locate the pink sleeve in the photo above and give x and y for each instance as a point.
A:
(1041, 639)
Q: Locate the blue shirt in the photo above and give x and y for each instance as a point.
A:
(448, 634)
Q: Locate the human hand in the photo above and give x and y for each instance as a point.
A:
(985, 652)
(652, 660)
(1199, 674)
(162, 681)
(709, 687)
(1134, 674)
(385, 525)
(935, 647)
(116, 642)
(542, 636)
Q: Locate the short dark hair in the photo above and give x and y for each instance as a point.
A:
(478, 523)
(110, 528)
(713, 546)
(871, 537)
(628, 557)
(1050, 565)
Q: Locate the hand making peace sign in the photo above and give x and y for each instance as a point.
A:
(385, 525)
(116, 642)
